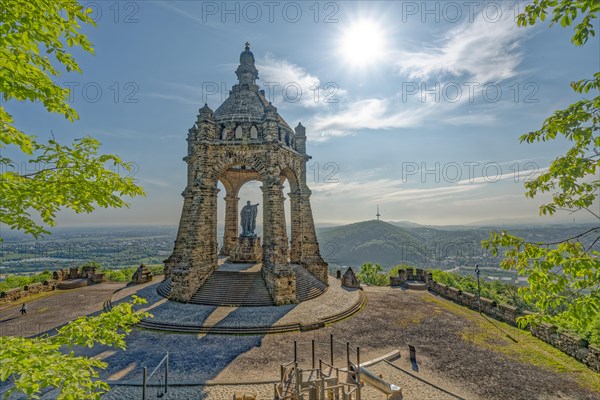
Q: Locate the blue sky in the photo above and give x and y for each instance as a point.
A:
(383, 138)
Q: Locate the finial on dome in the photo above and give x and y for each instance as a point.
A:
(206, 109)
(205, 113)
(246, 71)
(271, 112)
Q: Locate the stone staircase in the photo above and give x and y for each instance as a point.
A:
(164, 289)
(307, 286)
(246, 288)
(227, 288)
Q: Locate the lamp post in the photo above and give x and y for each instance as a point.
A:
(477, 272)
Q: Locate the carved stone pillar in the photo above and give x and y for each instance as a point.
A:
(296, 229)
(275, 243)
(182, 234)
(231, 224)
(278, 275)
(310, 255)
(199, 249)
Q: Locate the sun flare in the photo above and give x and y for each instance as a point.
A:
(363, 44)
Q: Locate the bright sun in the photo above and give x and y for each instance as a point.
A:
(362, 44)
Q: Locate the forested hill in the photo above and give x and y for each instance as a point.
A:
(390, 244)
(369, 241)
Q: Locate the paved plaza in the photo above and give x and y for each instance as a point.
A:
(454, 350)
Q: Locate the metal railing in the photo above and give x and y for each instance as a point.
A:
(146, 378)
(323, 380)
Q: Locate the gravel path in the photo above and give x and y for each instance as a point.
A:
(58, 307)
(219, 392)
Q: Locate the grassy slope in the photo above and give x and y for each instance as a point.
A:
(523, 347)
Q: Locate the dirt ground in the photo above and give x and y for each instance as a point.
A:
(446, 337)
(456, 349)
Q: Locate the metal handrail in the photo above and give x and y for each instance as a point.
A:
(145, 376)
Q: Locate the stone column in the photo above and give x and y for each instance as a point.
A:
(296, 220)
(310, 256)
(278, 275)
(231, 224)
(275, 243)
(199, 258)
(180, 240)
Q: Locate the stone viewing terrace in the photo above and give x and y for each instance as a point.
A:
(459, 353)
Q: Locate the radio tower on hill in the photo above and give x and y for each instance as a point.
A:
(378, 215)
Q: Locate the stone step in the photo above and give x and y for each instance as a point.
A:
(225, 288)
(242, 288)
(307, 286)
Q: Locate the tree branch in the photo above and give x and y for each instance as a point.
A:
(592, 245)
(565, 240)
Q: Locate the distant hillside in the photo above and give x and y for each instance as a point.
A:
(370, 241)
(448, 247)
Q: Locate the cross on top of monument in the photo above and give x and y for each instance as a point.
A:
(247, 46)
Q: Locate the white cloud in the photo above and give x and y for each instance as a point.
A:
(482, 51)
(493, 173)
(279, 76)
(477, 52)
(367, 114)
(176, 98)
(386, 191)
(156, 182)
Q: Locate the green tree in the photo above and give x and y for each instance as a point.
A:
(372, 274)
(34, 34)
(564, 277)
(37, 363)
(35, 37)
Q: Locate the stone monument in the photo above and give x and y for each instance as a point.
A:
(248, 247)
(350, 280)
(248, 217)
(244, 140)
(142, 275)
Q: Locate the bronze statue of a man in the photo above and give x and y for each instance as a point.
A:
(248, 219)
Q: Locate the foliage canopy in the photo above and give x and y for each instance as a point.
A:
(564, 277)
(35, 36)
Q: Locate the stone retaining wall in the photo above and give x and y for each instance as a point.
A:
(31, 289)
(86, 272)
(568, 343)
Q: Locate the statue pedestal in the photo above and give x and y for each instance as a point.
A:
(246, 250)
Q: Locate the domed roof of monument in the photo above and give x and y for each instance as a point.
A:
(245, 102)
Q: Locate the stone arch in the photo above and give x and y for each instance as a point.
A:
(231, 158)
(289, 174)
(227, 184)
